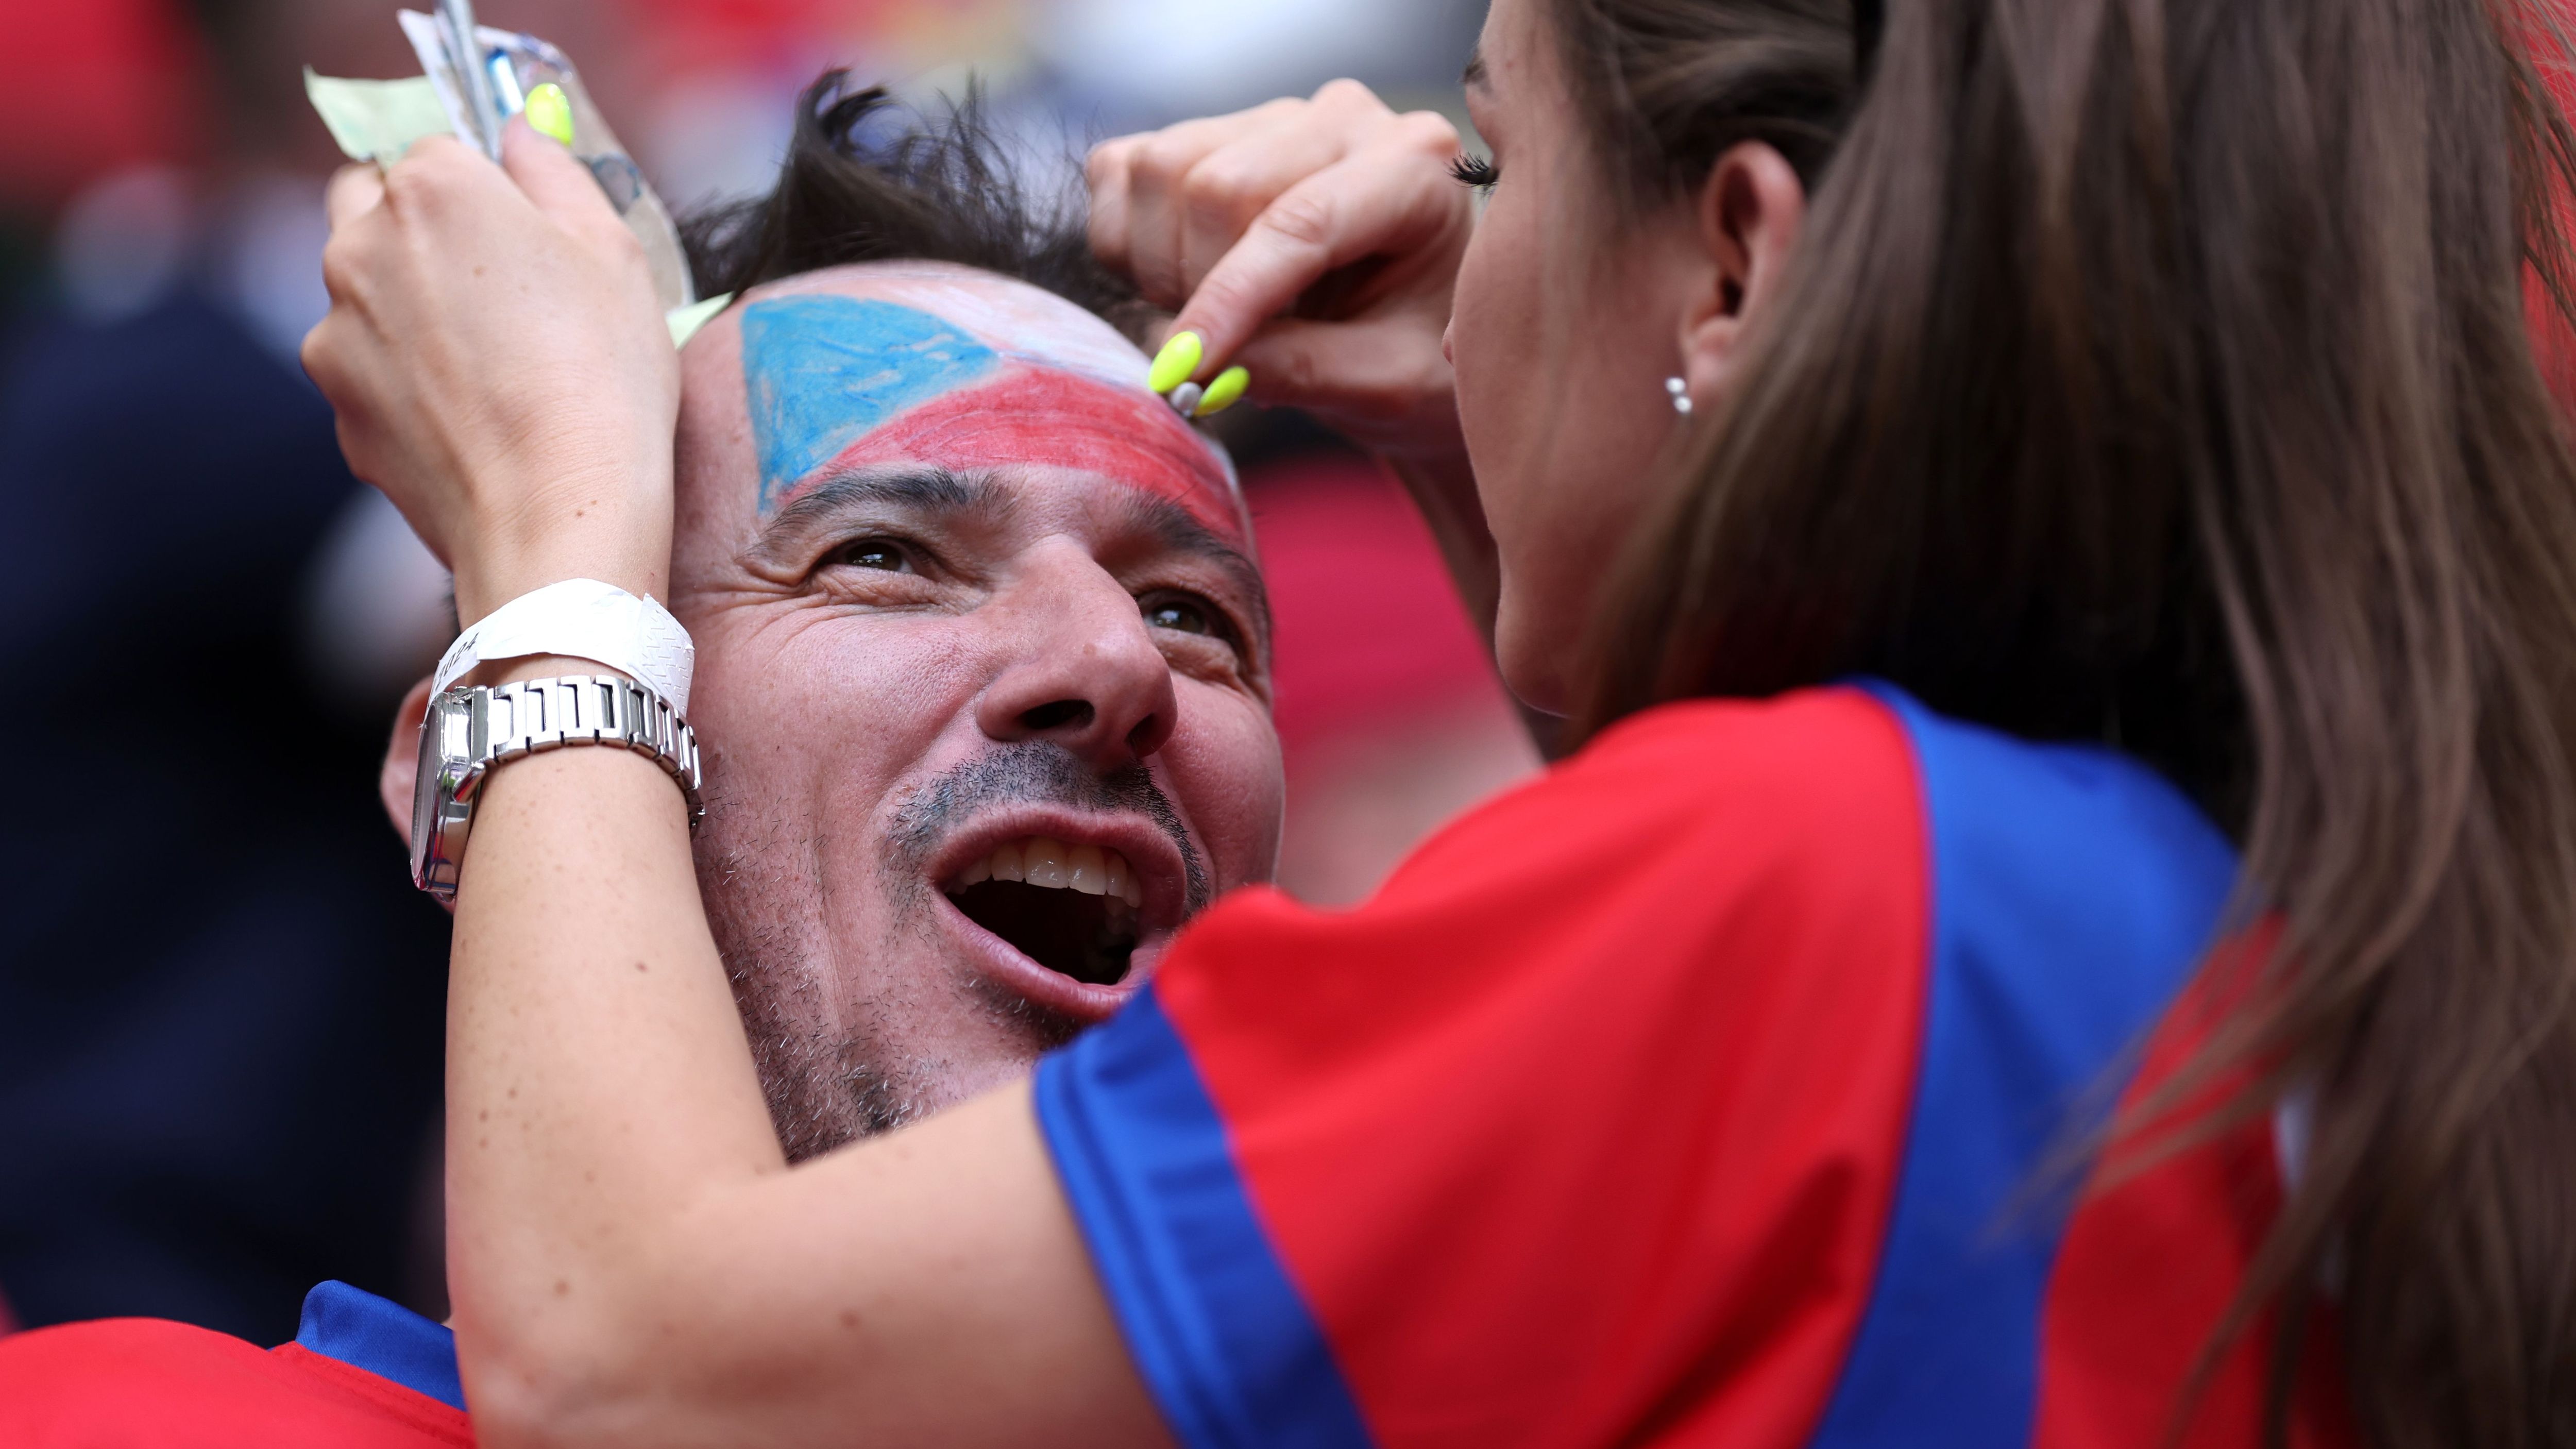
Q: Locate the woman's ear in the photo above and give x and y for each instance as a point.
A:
(1749, 213)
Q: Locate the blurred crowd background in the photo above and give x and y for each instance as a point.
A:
(220, 1000)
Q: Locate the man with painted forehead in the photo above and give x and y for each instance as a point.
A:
(965, 585)
(906, 365)
(982, 696)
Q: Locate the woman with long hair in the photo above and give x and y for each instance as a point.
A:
(2060, 925)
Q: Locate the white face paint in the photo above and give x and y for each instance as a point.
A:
(1049, 338)
(1012, 318)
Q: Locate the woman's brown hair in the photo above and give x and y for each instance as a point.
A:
(2157, 373)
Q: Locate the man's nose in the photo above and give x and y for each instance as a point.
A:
(1083, 670)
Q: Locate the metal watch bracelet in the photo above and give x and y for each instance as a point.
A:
(471, 731)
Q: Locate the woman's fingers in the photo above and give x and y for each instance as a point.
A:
(1166, 204)
(355, 190)
(1234, 222)
(1157, 166)
(559, 183)
(1393, 200)
(1106, 173)
(497, 358)
(1385, 382)
(1223, 191)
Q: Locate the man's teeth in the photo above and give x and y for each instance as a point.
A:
(1042, 860)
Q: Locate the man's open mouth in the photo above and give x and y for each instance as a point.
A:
(1070, 908)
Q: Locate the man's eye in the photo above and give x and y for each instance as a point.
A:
(873, 553)
(1179, 614)
(1190, 614)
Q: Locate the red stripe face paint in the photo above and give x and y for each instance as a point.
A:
(836, 383)
(1025, 414)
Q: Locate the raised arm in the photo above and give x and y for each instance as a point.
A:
(632, 1261)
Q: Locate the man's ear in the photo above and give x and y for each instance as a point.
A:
(402, 759)
(1750, 212)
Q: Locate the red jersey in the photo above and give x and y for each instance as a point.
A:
(1702, 1092)
(362, 1373)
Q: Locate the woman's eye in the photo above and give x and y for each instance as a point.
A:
(1186, 617)
(873, 553)
(1476, 171)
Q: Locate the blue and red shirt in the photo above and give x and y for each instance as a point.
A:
(362, 1373)
(1708, 1091)
(1715, 1089)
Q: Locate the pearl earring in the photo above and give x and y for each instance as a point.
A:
(1680, 392)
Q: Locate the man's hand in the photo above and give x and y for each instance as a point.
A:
(500, 367)
(1316, 242)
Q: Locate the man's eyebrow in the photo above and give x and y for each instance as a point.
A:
(1474, 75)
(929, 490)
(1179, 530)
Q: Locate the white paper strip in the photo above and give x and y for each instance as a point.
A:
(581, 619)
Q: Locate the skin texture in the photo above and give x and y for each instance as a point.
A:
(863, 725)
(633, 1260)
(1561, 385)
(838, 701)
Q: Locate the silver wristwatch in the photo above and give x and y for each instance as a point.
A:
(470, 731)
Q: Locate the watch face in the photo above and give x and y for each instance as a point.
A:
(448, 751)
(424, 796)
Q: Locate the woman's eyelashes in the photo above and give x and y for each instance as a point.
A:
(1477, 171)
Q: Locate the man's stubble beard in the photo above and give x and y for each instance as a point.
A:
(830, 1081)
(832, 1065)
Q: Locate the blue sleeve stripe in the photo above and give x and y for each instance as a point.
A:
(384, 1338)
(1224, 1341)
(2074, 893)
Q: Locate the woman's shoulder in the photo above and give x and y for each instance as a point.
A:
(1839, 745)
(1833, 782)
(1842, 839)
(1694, 853)
(1823, 776)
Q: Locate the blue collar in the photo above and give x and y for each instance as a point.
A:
(384, 1338)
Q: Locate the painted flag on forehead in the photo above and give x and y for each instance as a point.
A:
(1702, 1092)
(836, 385)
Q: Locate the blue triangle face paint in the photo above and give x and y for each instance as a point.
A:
(820, 372)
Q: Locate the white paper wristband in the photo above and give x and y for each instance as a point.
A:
(581, 619)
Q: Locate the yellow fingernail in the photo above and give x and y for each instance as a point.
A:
(1225, 392)
(1174, 364)
(550, 112)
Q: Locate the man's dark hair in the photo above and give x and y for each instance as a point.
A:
(938, 190)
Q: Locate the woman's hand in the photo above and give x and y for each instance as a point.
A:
(1315, 242)
(500, 367)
